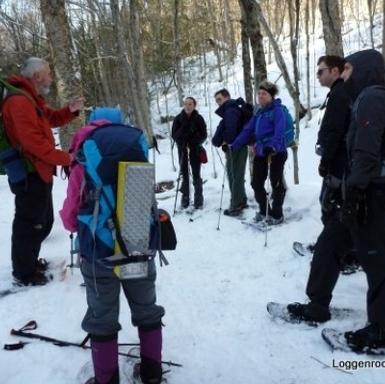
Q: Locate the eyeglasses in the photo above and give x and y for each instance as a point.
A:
(320, 71)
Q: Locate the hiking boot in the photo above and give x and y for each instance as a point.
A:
(149, 370)
(271, 221)
(372, 336)
(185, 201)
(198, 202)
(309, 312)
(236, 211)
(259, 217)
(42, 265)
(232, 212)
(35, 278)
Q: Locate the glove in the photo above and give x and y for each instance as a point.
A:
(226, 148)
(350, 208)
(323, 168)
(269, 151)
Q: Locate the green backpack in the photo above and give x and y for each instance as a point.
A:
(7, 90)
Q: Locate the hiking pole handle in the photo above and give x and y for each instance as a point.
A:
(14, 347)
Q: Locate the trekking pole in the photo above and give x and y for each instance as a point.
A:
(31, 325)
(73, 251)
(177, 183)
(223, 187)
(267, 195)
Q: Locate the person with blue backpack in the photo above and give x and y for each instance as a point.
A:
(268, 127)
(98, 148)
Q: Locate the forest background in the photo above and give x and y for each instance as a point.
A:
(132, 52)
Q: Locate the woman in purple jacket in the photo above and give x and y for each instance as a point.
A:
(268, 127)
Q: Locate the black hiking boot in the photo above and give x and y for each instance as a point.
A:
(372, 336)
(149, 371)
(36, 278)
(42, 265)
(309, 312)
(185, 201)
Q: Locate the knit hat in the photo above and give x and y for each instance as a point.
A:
(270, 88)
(112, 114)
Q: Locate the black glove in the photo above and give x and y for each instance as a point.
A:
(350, 207)
(226, 148)
(323, 168)
(269, 151)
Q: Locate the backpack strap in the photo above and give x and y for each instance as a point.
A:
(113, 225)
(162, 257)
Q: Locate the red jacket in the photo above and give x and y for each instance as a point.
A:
(28, 126)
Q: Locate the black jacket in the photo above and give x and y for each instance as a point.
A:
(366, 134)
(335, 122)
(189, 131)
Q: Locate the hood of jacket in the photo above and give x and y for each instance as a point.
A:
(368, 69)
(231, 103)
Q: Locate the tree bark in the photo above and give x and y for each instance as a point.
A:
(331, 24)
(65, 62)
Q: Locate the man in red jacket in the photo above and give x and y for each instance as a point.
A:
(28, 121)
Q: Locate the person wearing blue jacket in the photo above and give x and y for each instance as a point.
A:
(268, 127)
(227, 130)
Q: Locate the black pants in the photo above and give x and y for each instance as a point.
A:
(369, 239)
(260, 173)
(329, 251)
(32, 222)
(336, 169)
(190, 157)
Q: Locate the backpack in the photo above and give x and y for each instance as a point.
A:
(289, 136)
(9, 155)
(247, 111)
(103, 152)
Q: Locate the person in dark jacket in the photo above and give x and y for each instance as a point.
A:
(227, 130)
(189, 132)
(334, 243)
(268, 127)
(363, 210)
(331, 143)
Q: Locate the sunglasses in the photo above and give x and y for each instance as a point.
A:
(320, 71)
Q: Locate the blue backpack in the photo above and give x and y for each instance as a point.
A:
(289, 136)
(100, 154)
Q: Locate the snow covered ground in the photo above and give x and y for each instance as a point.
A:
(214, 291)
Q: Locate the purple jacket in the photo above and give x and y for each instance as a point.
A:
(268, 126)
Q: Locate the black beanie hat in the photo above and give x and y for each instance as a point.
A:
(269, 88)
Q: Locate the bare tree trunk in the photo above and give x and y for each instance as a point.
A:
(65, 60)
(214, 40)
(331, 23)
(98, 67)
(178, 55)
(383, 29)
(294, 8)
(280, 61)
(253, 30)
(308, 89)
(142, 106)
(371, 9)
